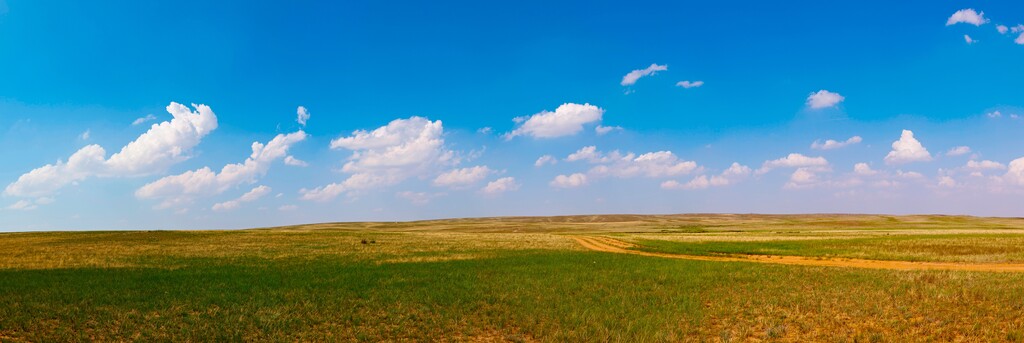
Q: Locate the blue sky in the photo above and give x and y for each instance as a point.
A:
(412, 110)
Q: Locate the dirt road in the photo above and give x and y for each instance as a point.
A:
(606, 244)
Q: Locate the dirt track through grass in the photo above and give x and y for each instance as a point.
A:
(605, 244)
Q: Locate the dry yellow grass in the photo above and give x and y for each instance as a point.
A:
(512, 279)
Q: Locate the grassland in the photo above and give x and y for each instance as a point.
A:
(516, 279)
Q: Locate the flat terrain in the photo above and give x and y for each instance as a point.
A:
(576, 278)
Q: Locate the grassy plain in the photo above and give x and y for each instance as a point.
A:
(516, 279)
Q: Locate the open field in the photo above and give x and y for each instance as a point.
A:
(521, 279)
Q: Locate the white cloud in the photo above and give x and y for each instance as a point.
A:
(601, 130)
(163, 145)
(959, 151)
(1020, 39)
(794, 160)
(22, 205)
(985, 164)
(802, 178)
(967, 16)
(1002, 29)
(635, 75)
(688, 84)
(651, 164)
(698, 182)
(85, 135)
(1015, 172)
(501, 185)
(28, 205)
(142, 120)
(166, 143)
(484, 130)
(590, 154)
(994, 114)
(907, 149)
(733, 174)
(176, 190)
(823, 99)
(833, 144)
(863, 169)
(45, 180)
(292, 161)
(287, 208)
(418, 198)
(569, 181)
(1017, 29)
(462, 177)
(909, 174)
(387, 155)
(250, 196)
(545, 160)
(946, 181)
(568, 119)
(969, 40)
(302, 115)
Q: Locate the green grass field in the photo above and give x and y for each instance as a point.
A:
(516, 279)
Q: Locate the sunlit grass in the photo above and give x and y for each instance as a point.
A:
(514, 279)
(946, 248)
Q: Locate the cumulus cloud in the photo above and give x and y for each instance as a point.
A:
(302, 115)
(462, 177)
(1002, 29)
(733, 174)
(590, 154)
(794, 160)
(967, 16)
(863, 169)
(163, 145)
(502, 185)
(569, 181)
(947, 181)
(958, 151)
(143, 120)
(387, 155)
(568, 119)
(166, 143)
(545, 160)
(985, 164)
(698, 182)
(250, 196)
(657, 164)
(823, 98)
(651, 164)
(969, 40)
(601, 130)
(292, 161)
(802, 178)
(907, 149)
(635, 75)
(177, 190)
(85, 135)
(830, 144)
(689, 84)
(418, 198)
(909, 174)
(1015, 172)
